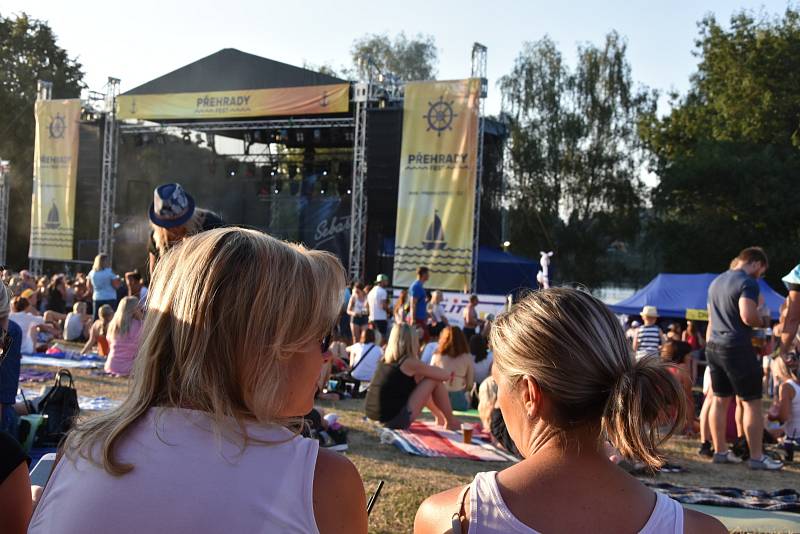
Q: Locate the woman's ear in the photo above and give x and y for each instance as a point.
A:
(531, 396)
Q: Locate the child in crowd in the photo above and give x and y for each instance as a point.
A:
(454, 357)
(99, 331)
(677, 354)
(78, 323)
(786, 408)
(123, 337)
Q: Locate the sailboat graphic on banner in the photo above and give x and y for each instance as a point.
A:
(434, 237)
(53, 220)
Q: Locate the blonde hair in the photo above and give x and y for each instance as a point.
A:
(403, 343)
(487, 398)
(198, 351)
(79, 307)
(100, 262)
(193, 226)
(123, 317)
(574, 348)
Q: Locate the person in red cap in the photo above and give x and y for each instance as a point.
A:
(173, 217)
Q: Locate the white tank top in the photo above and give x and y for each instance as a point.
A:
(186, 480)
(792, 426)
(490, 515)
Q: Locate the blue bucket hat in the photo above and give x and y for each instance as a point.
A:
(171, 207)
(793, 277)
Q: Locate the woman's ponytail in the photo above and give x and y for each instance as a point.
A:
(644, 401)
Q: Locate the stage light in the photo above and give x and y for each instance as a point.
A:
(187, 137)
(278, 186)
(324, 172)
(349, 192)
(506, 244)
(232, 168)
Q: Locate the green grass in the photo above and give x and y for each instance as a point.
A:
(410, 479)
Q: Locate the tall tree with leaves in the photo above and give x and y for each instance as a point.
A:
(575, 153)
(406, 58)
(28, 53)
(728, 153)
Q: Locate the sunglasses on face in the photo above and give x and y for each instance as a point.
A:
(326, 343)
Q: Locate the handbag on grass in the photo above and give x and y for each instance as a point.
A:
(60, 404)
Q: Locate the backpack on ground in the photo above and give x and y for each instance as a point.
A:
(60, 404)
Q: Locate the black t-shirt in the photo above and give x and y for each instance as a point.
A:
(55, 301)
(11, 455)
(210, 221)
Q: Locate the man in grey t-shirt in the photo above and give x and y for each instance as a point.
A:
(733, 311)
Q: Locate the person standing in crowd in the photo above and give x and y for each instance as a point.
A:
(693, 336)
(565, 383)
(437, 315)
(791, 317)
(402, 385)
(357, 310)
(103, 284)
(674, 332)
(418, 305)
(220, 405)
(378, 303)
(454, 357)
(649, 336)
(173, 218)
(471, 319)
(135, 287)
(733, 310)
(400, 312)
(123, 337)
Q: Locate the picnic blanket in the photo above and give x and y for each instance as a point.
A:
(745, 520)
(85, 362)
(32, 375)
(785, 500)
(425, 438)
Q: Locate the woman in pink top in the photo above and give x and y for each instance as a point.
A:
(208, 438)
(123, 336)
(567, 381)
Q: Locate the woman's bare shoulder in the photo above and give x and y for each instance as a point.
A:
(435, 514)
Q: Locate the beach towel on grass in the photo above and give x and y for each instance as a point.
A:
(425, 438)
(49, 361)
(785, 500)
(32, 375)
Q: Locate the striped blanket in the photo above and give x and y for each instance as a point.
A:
(785, 500)
(425, 438)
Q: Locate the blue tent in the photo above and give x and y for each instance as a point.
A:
(684, 296)
(499, 273)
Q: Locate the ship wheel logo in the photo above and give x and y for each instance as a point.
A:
(57, 126)
(440, 115)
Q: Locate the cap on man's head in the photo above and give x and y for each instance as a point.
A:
(649, 311)
(28, 293)
(381, 278)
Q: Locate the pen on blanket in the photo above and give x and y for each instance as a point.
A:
(374, 498)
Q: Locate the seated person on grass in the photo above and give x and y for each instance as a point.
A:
(402, 385)
(77, 323)
(454, 357)
(98, 333)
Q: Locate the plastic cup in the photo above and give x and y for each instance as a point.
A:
(466, 430)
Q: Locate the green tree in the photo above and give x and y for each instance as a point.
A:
(728, 153)
(28, 52)
(407, 58)
(575, 156)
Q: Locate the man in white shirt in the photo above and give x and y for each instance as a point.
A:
(27, 322)
(378, 304)
(364, 357)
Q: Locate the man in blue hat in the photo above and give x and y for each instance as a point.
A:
(174, 217)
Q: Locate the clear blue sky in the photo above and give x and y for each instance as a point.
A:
(138, 41)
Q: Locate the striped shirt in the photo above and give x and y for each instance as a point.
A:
(649, 340)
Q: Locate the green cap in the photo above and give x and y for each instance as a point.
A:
(381, 278)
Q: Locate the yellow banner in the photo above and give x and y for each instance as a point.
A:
(55, 170)
(696, 315)
(436, 199)
(309, 100)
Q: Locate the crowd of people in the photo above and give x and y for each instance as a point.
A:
(747, 358)
(224, 371)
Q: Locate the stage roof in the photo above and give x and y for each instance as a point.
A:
(231, 69)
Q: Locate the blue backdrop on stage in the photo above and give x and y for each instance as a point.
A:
(499, 273)
(673, 294)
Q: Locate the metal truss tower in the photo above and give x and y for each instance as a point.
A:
(478, 71)
(358, 216)
(5, 188)
(108, 183)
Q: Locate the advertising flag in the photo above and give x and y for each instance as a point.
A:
(55, 169)
(436, 198)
